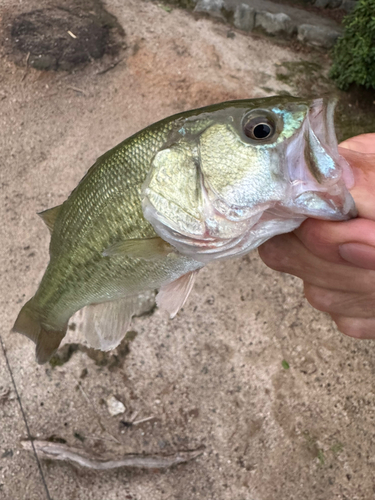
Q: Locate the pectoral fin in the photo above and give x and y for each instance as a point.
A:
(172, 297)
(106, 324)
(49, 216)
(146, 248)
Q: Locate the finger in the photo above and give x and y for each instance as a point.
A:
(323, 239)
(364, 143)
(287, 254)
(358, 328)
(358, 254)
(337, 302)
(363, 166)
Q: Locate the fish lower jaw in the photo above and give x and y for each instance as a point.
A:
(325, 205)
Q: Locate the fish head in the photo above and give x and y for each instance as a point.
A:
(232, 176)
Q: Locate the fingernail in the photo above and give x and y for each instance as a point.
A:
(359, 254)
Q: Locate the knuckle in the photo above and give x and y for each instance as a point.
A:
(316, 235)
(352, 331)
(318, 297)
(355, 327)
(270, 254)
(275, 253)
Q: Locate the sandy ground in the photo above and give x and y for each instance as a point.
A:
(213, 376)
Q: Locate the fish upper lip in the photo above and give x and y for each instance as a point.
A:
(327, 137)
(321, 119)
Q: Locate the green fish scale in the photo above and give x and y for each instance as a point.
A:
(104, 208)
(119, 171)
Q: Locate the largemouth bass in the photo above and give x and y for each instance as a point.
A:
(203, 185)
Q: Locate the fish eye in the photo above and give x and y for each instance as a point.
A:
(259, 128)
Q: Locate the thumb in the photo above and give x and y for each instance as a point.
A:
(350, 242)
(359, 152)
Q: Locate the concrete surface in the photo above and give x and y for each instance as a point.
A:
(275, 19)
(295, 12)
(214, 376)
(347, 5)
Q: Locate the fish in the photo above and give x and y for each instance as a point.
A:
(207, 184)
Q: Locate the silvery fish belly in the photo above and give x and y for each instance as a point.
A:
(207, 184)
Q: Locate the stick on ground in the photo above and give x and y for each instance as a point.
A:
(58, 451)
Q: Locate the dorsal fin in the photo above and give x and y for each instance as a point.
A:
(49, 216)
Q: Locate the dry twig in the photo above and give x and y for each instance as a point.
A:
(57, 451)
(136, 422)
(108, 68)
(76, 89)
(27, 67)
(4, 393)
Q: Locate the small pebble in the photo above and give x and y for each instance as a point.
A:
(115, 407)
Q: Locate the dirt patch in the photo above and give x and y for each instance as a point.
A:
(112, 360)
(63, 37)
(151, 70)
(355, 113)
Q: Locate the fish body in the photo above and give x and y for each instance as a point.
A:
(203, 185)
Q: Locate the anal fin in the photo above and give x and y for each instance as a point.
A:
(106, 324)
(172, 297)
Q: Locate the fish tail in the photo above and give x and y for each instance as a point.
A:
(47, 340)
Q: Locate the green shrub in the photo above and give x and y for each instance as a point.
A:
(354, 52)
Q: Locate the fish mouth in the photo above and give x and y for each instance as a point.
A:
(319, 176)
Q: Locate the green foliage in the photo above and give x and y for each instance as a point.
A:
(337, 448)
(321, 457)
(285, 364)
(354, 52)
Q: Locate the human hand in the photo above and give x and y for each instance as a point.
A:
(336, 260)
